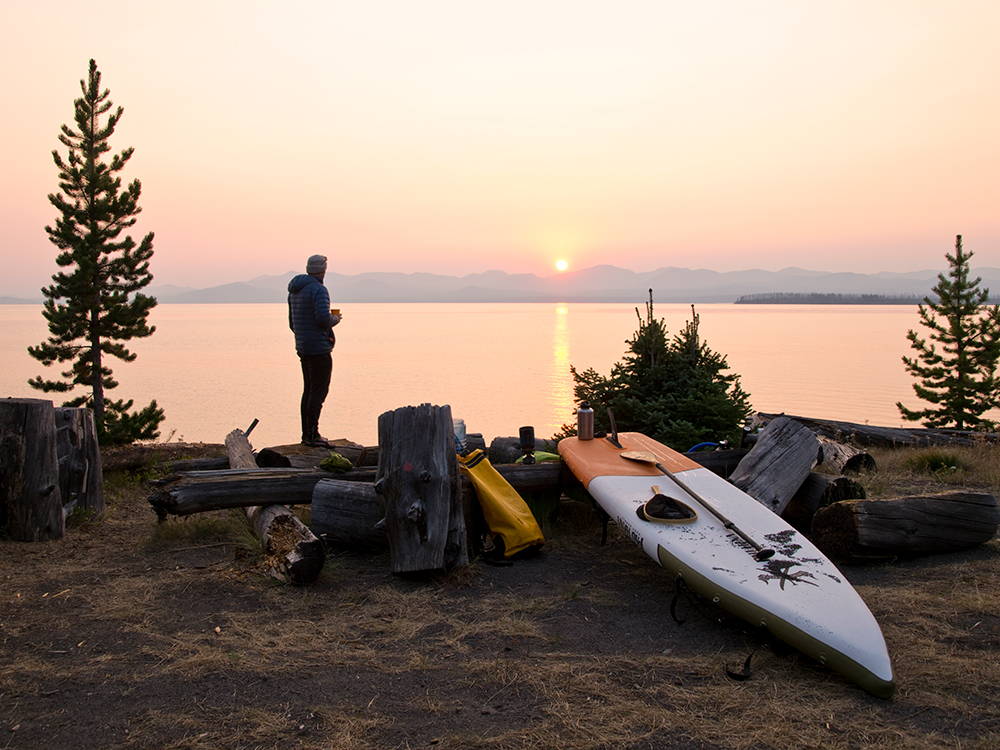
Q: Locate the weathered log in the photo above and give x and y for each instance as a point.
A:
(348, 514)
(818, 491)
(522, 477)
(778, 463)
(221, 489)
(81, 481)
(198, 464)
(839, 458)
(292, 551)
(417, 481)
(138, 456)
(903, 526)
(722, 462)
(870, 436)
(30, 499)
(506, 450)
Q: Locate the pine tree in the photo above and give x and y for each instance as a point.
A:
(677, 390)
(958, 379)
(95, 304)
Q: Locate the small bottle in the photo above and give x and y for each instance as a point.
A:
(585, 422)
(458, 427)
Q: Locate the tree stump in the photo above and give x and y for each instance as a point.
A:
(913, 525)
(417, 480)
(818, 491)
(81, 481)
(30, 500)
(778, 463)
(293, 552)
(348, 514)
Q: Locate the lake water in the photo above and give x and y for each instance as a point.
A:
(499, 366)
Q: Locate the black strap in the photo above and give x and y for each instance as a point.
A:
(745, 673)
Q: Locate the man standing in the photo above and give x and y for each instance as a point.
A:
(312, 322)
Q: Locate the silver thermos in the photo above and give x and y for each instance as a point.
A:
(585, 422)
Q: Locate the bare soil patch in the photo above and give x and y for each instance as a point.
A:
(133, 634)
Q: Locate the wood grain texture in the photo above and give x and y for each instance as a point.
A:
(416, 479)
(292, 550)
(30, 499)
(777, 464)
(910, 525)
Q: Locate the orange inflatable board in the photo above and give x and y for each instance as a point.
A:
(589, 459)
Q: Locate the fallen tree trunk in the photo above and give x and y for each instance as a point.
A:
(198, 464)
(871, 436)
(817, 491)
(291, 550)
(417, 479)
(30, 500)
(913, 525)
(138, 456)
(722, 462)
(506, 450)
(81, 481)
(838, 458)
(778, 463)
(223, 489)
(348, 514)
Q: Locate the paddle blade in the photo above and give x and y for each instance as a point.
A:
(644, 457)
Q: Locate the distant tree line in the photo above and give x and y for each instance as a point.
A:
(816, 298)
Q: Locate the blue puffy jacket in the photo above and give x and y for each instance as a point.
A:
(309, 315)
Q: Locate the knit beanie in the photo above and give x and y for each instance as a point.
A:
(316, 264)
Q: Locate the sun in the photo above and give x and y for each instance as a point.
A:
(561, 265)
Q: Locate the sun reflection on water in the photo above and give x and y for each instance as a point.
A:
(560, 380)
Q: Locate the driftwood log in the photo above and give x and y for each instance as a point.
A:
(222, 489)
(722, 462)
(902, 526)
(293, 552)
(778, 463)
(198, 464)
(416, 479)
(30, 499)
(506, 450)
(870, 436)
(348, 514)
(81, 481)
(818, 491)
(839, 458)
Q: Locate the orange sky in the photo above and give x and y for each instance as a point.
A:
(458, 136)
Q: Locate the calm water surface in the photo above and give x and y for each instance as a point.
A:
(499, 366)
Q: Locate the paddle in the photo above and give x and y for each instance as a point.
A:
(644, 457)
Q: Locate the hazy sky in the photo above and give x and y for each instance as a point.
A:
(458, 136)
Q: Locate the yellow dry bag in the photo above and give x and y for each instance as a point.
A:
(506, 514)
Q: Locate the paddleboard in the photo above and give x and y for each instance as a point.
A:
(797, 594)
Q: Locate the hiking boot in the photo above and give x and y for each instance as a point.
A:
(317, 442)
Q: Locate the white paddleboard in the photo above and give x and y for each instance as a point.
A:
(797, 594)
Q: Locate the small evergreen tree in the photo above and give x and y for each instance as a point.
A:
(677, 391)
(95, 304)
(959, 380)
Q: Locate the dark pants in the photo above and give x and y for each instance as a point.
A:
(316, 371)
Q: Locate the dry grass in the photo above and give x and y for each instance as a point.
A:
(109, 639)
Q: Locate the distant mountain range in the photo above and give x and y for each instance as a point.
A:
(595, 284)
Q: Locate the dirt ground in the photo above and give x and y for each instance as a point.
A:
(133, 634)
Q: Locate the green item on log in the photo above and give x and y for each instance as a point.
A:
(541, 457)
(336, 463)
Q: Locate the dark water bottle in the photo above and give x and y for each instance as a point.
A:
(585, 422)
